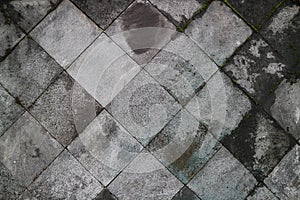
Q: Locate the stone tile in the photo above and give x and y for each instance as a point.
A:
(178, 11)
(257, 68)
(10, 110)
(219, 105)
(65, 33)
(10, 188)
(255, 12)
(143, 107)
(28, 13)
(282, 32)
(28, 71)
(141, 30)
(65, 109)
(219, 31)
(104, 69)
(105, 194)
(259, 143)
(223, 177)
(27, 196)
(262, 193)
(181, 72)
(27, 148)
(105, 148)
(284, 181)
(65, 178)
(185, 194)
(103, 12)
(184, 146)
(145, 178)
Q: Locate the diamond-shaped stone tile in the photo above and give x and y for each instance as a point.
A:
(219, 31)
(28, 13)
(143, 107)
(65, 109)
(141, 30)
(27, 71)
(65, 178)
(257, 68)
(282, 32)
(181, 72)
(184, 146)
(262, 193)
(223, 177)
(145, 178)
(259, 143)
(104, 69)
(10, 110)
(27, 148)
(105, 194)
(219, 105)
(185, 194)
(103, 12)
(105, 148)
(254, 11)
(65, 33)
(284, 181)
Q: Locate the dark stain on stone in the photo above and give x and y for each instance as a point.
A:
(105, 194)
(110, 128)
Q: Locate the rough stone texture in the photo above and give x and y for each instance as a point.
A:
(219, 31)
(145, 178)
(284, 181)
(28, 13)
(219, 105)
(176, 10)
(10, 111)
(184, 146)
(259, 143)
(223, 177)
(181, 72)
(105, 194)
(257, 68)
(141, 31)
(185, 194)
(282, 31)
(27, 148)
(27, 71)
(65, 178)
(254, 11)
(103, 12)
(65, 109)
(262, 193)
(65, 33)
(105, 148)
(104, 69)
(10, 188)
(143, 107)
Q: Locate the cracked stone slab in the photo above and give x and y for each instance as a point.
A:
(184, 146)
(282, 31)
(262, 193)
(103, 12)
(65, 178)
(27, 148)
(259, 143)
(219, 32)
(145, 178)
(105, 194)
(65, 33)
(178, 11)
(284, 181)
(28, 13)
(185, 194)
(27, 71)
(223, 177)
(103, 69)
(65, 109)
(10, 110)
(219, 105)
(255, 12)
(181, 72)
(257, 68)
(143, 107)
(141, 30)
(105, 148)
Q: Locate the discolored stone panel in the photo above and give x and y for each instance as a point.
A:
(185, 194)
(262, 193)
(65, 109)
(105, 194)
